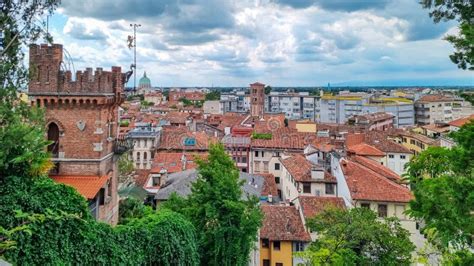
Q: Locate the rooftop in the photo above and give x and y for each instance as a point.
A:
(367, 184)
(300, 169)
(313, 205)
(282, 223)
(181, 183)
(461, 121)
(87, 186)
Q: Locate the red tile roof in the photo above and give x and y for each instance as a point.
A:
(377, 167)
(172, 161)
(300, 169)
(313, 205)
(366, 184)
(461, 121)
(269, 185)
(378, 139)
(87, 186)
(366, 150)
(173, 138)
(434, 98)
(141, 176)
(282, 223)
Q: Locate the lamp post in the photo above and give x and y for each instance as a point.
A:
(132, 42)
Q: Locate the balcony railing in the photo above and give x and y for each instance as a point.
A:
(122, 145)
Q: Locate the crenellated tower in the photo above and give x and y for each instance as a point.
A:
(82, 124)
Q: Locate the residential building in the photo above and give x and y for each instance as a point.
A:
(146, 138)
(373, 121)
(237, 145)
(305, 176)
(282, 235)
(415, 142)
(371, 187)
(395, 155)
(434, 108)
(175, 95)
(237, 101)
(294, 105)
(155, 97)
(401, 108)
(82, 124)
(212, 107)
(338, 109)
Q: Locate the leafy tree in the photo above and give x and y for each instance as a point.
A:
(357, 237)
(226, 224)
(442, 181)
(125, 167)
(185, 101)
(213, 95)
(131, 208)
(463, 12)
(268, 89)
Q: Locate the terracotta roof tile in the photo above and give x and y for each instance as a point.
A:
(174, 138)
(172, 161)
(300, 169)
(460, 122)
(141, 176)
(313, 205)
(365, 150)
(282, 223)
(87, 186)
(269, 185)
(377, 139)
(377, 167)
(366, 184)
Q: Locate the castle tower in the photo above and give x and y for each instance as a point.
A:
(257, 99)
(82, 122)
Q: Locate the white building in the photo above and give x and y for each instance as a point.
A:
(145, 141)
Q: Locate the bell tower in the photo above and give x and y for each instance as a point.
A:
(257, 99)
(82, 124)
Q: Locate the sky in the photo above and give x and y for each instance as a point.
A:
(276, 42)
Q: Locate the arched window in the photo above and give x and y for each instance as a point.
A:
(138, 156)
(145, 155)
(53, 135)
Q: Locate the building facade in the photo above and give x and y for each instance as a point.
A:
(82, 124)
(257, 99)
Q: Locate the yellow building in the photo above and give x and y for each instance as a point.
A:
(415, 142)
(281, 236)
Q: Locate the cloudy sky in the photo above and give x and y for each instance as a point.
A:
(277, 42)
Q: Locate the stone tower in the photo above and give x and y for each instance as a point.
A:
(82, 124)
(257, 99)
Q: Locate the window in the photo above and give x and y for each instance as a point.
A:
(306, 187)
(277, 179)
(277, 166)
(243, 159)
(266, 262)
(256, 153)
(53, 136)
(265, 167)
(263, 154)
(265, 243)
(138, 156)
(391, 156)
(257, 166)
(402, 156)
(382, 210)
(145, 155)
(330, 189)
(276, 245)
(298, 246)
(365, 205)
(278, 264)
(412, 142)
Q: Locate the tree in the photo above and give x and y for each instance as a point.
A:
(442, 181)
(226, 224)
(268, 89)
(463, 12)
(357, 237)
(213, 95)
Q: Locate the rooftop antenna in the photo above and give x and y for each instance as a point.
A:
(132, 42)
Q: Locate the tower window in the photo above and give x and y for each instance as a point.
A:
(53, 135)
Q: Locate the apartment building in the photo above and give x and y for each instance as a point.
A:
(435, 108)
(339, 108)
(294, 105)
(401, 108)
(145, 138)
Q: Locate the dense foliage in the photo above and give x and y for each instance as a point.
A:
(214, 95)
(357, 237)
(463, 12)
(261, 135)
(442, 181)
(43, 222)
(226, 224)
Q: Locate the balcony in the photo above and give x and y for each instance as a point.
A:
(122, 145)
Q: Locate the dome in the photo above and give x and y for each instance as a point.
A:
(144, 82)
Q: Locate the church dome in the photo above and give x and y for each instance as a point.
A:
(144, 82)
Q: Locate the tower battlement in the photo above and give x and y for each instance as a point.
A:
(48, 78)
